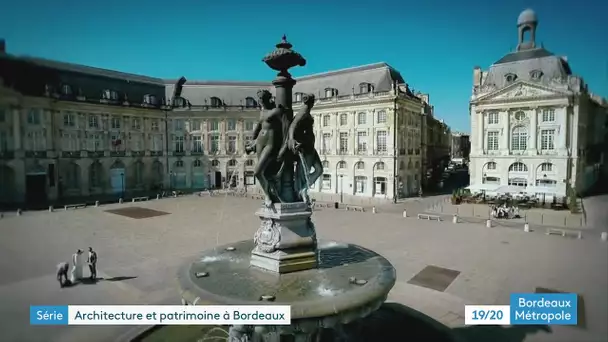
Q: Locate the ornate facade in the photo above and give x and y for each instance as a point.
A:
(74, 131)
(531, 123)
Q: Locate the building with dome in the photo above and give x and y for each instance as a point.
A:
(535, 125)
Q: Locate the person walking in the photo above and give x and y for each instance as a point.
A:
(62, 273)
(92, 261)
(76, 273)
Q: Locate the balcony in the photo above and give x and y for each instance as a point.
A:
(118, 154)
(410, 151)
(342, 152)
(197, 153)
(37, 154)
(7, 155)
(324, 151)
(138, 153)
(401, 151)
(179, 153)
(380, 152)
(70, 154)
(95, 154)
(156, 153)
(362, 151)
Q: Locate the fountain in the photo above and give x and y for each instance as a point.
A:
(326, 283)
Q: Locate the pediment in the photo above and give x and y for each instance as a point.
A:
(520, 90)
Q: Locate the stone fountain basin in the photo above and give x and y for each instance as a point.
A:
(350, 282)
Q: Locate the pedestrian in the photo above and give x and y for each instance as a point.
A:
(76, 273)
(62, 273)
(92, 261)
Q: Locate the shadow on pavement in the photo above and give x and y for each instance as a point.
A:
(494, 333)
(89, 281)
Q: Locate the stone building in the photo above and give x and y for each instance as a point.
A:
(532, 122)
(460, 145)
(72, 131)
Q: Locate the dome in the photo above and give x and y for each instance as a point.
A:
(526, 17)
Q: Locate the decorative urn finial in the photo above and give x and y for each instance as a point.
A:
(283, 57)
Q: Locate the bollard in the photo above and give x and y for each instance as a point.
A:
(526, 227)
(604, 236)
(96, 204)
(157, 196)
(50, 208)
(404, 213)
(489, 223)
(120, 200)
(455, 219)
(373, 210)
(18, 212)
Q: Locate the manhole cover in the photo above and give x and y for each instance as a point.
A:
(435, 278)
(137, 212)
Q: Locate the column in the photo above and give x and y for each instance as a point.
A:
(534, 130)
(17, 129)
(480, 122)
(84, 177)
(564, 128)
(506, 133)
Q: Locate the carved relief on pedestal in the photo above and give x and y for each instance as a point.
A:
(267, 236)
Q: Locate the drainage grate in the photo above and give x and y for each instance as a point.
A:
(434, 278)
(137, 212)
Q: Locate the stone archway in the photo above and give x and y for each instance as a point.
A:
(199, 179)
(156, 175)
(7, 184)
(117, 177)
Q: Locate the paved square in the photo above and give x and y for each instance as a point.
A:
(434, 278)
(137, 212)
(143, 257)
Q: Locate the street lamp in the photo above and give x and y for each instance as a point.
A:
(170, 181)
(341, 188)
(122, 183)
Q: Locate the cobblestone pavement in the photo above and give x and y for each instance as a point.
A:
(492, 262)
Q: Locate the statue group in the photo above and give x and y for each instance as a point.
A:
(288, 163)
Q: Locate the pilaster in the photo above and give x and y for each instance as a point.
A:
(534, 130)
(18, 141)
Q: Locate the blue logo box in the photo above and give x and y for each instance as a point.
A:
(544, 308)
(49, 315)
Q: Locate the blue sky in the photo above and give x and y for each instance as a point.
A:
(434, 43)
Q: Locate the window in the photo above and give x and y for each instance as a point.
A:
(35, 141)
(96, 175)
(342, 164)
(179, 163)
(178, 142)
(157, 143)
(365, 88)
(510, 78)
(150, 99)
(249, 125)
(231, 125)
(381, 142)
(519, 139)
(380, 186)
(69, 119)
(326, 184)
(417, 165)
(536, 75)
(325, 148)
(493, 118)
(138, 173)
(549, 183)
(232, 162)
(548, 115)
(136, 124)
(69, 142)
(490, 180)
(109, 94)
(360, 184)
(197, 144)
(298, 97)
(360, 165)
(137, 142)
(66, 89)
(521, 182)
(343, 119)
(519, 115)
(216, 102)
(195, 125)
(361, 142)
(231, 144)
(546, 167)
(94, 142)
(325, 164)
(93, 121)
(214, 143)
(491, 166)
(33, 116)
(381, 117)
(3, 141)
(178, 124)
(361, 118)
(326, 120)
(215, 163)
(116, 142)
(331, 92)
(197, 163)
(213, 125)
(379, 166)
(249, 162)
(518, 167)
(250, 102)
(115, 122)
(547, 139)
(492, 141)
(343, 142)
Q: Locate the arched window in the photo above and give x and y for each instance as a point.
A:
(250, 102)
(198, 163)
(519, 138)
(179, 163)
(150, 99)
(331, 92)
(546, 167)
(518, 167)
(96, 175)
(491, 166)
(297, 97)
(379, 166)
(249, 162)
(520, 115)
(215, 163)
(66, 89)
(360, 166)
(365, 88)
(536, 75)
(216, 102)
(325, 164)
(342, 164)
(232, 162)
(361, 118)
(510, 78)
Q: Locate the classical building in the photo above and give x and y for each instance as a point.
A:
(76, 131)
(460, 146)
(437, 141)
(535, 127)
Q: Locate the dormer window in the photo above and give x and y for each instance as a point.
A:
(150, 99)
(66, 89)
(250, 102)
(109, 94)
(298, 97)
(331, 92)
(536, 75)
(365, 88)
(179, 102)
(510, 78)
(216, 102)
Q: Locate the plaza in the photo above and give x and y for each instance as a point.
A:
(139, 258)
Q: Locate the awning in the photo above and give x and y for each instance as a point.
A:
(510, 189)
(482, 187)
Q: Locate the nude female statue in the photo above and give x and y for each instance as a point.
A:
(267, 144)
(301, 140)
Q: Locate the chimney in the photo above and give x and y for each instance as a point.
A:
(2, 46)
(477, 76)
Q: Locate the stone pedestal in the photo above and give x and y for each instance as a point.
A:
(286, 240)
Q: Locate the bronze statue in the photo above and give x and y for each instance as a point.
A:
(301, 141)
